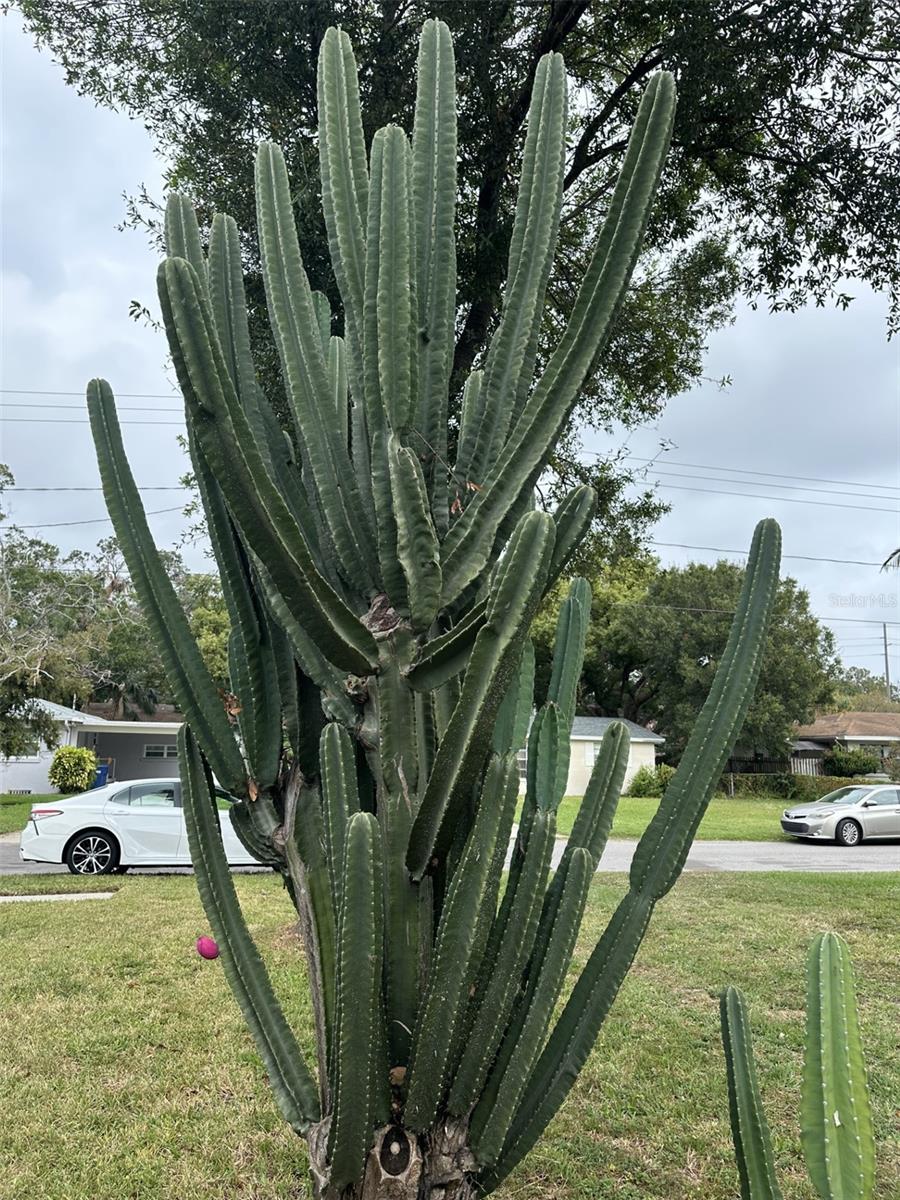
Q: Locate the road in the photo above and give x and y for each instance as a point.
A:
(704, 856)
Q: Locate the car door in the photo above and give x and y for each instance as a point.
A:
(235, 852)
(149, 823)
(881, 813)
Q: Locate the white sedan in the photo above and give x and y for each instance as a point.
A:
(139, 823)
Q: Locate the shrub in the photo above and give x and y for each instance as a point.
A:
(799, 788)
(651, 781)
(73, 769)
(847, 763)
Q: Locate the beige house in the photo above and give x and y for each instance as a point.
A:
(584, 743)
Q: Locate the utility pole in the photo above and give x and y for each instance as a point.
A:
(887, 663)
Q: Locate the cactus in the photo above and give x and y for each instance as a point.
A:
(381, 578)
(836, 1122)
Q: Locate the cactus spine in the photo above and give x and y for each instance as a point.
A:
(836, 1121)
(381, 590)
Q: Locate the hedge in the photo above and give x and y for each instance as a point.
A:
(784, 787)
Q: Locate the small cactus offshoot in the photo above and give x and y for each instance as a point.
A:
(382, 563)
(836, 1121)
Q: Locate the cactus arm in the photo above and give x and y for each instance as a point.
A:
(509, 948)
(434, 194)
(447, 654)
(663, 848)
(511, 726)
(749, 1128)
(293, 1086)
(470, 423)
(251, 654)
(322, 309)
(357, 1048)
(518, 587)
(510, 358)
(468, 544)
(493, 1115)
(340, 800)
(182, 235)
(394, 295)
(444, 1002)
(188, 675)
(836, 1121)
(338, 386)
(593, 822)
(293, 319)
(417, 544)
(313, 662)
(392, 574)
(266, 523)
(659, 856)
(345, 183)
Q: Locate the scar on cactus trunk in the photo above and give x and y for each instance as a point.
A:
(381, 586)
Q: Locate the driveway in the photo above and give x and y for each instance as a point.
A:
(704, 856)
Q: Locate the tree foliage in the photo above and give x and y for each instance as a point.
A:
(655, 639)
(71, 631)
(782, 185)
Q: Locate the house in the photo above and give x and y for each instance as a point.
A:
(584, 742)
(132, 749)
(876, 732)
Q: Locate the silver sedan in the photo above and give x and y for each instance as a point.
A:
(848, 816)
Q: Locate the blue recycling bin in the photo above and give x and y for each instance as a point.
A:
(102, 775)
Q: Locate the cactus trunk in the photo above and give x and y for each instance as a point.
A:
(381, 589)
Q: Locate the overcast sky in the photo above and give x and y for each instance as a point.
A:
(814, 394)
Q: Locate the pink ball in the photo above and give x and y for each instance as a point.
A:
(207, 948)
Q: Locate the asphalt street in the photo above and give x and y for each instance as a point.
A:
(704, 856)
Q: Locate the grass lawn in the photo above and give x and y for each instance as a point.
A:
(733, 820)
(127, 1072)
(14, 810)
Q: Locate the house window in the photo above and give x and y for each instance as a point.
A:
(522, 764)
(157, 750)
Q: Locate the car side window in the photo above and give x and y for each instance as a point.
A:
(153, 795)
(122, 797)
(890, 796)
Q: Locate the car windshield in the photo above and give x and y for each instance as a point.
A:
(847, 795)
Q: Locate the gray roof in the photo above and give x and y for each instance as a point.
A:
(59, 712)
(595, 727)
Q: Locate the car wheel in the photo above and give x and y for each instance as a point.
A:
(92, 853)
(848, 833)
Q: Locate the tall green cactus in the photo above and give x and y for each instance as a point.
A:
(836, 1121)
(381, 577)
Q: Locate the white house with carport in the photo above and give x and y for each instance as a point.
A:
(131, 749)
(584, 743)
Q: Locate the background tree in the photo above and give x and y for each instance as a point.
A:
(655, 639)
(782, 184)
(858, 690)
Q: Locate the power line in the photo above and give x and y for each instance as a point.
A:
(72, 421)
(80, 407)
(768, 474)
(779, 499)
(788, 487)
(125, 395)
(848, 562)
(94, 520)
(148, 488)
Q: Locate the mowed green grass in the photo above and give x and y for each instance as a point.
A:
(14, 810)
(127, 1072)
(733, 820)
